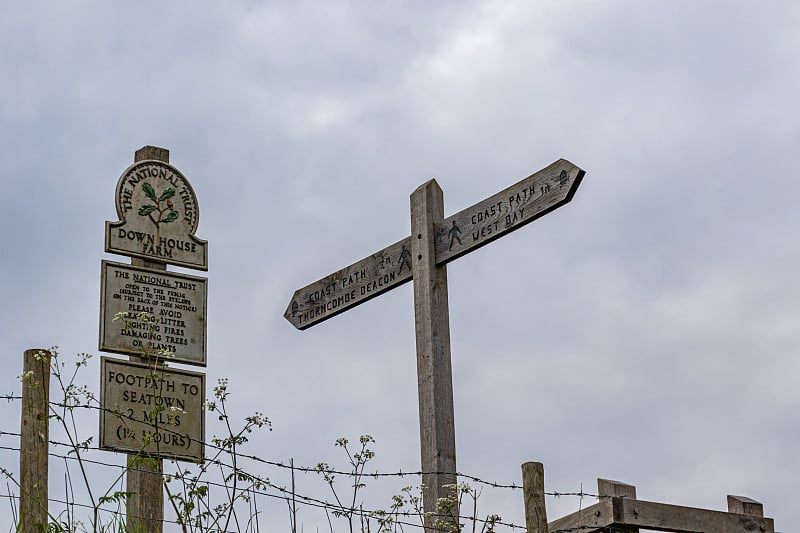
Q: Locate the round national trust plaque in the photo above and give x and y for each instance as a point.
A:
(158, 216)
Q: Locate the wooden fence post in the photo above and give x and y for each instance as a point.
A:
(533, 493)
(34, 440)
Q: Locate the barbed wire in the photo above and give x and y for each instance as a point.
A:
(555, 494)
(307, 501)
(283, 493)
(292, 495)
(319, 504)
(287, 495)
(106, 510)
(329, 506)
(296, 468)
(305, 469)
(355, 511)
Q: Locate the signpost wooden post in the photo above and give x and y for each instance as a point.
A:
(434, 242)
(163, 313)
(432, 325)
(145, 505)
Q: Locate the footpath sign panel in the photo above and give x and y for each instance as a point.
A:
(144, 310)
(151, 409)
(158, 216)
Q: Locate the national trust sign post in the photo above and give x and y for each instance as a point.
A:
(148, 410)
(423, 256)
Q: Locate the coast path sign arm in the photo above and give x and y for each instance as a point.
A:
(350, 286)
(507, 211)
(459, 234)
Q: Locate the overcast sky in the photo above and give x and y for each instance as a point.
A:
(645, 332)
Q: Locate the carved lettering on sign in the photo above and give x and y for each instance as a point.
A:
(151, 409)
(357, 283)
(508, 210)
(146, 311)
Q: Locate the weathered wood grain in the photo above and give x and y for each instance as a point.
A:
(678, 519)
(434, 371)
(586, 520)
(533, 495)
(744, 505)
(145, 505)
(623, 513)
(34, 440)
(609, 488)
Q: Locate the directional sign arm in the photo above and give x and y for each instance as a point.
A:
(498, 215)
(351, 286)
(508, 210)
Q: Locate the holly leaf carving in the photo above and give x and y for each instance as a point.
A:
(148, 190)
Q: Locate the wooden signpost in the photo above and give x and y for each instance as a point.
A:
(148, 410)
(435, 241)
